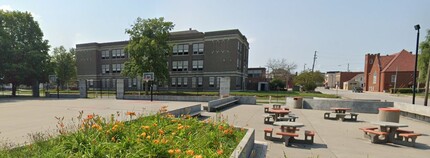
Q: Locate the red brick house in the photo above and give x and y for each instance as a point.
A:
(390, 71)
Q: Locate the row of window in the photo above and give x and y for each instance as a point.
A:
(116, 53)
(116, 68)
(183, 49)
(195, 81)
(183, 65)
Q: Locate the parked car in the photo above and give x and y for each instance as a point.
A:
(357, 90)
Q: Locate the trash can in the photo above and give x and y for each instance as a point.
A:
(389, 115)
(298, 102)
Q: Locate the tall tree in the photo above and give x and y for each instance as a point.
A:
(309, 80)
(423, 58)
(148, 48)
(65, 64)
(27, 51)
(280, 69)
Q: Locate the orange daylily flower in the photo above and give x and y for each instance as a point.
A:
(219, 152)
(190, 152)
(131, 113)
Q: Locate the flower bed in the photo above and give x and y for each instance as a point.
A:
(150, 136)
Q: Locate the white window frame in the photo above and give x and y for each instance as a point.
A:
(375, 77)
(200, 81)
(173, 81)
(211, 81)
(393, 78)
(179, 81)
(185, 81)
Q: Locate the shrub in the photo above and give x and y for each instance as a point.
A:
(405, 90)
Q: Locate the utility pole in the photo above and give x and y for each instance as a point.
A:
(347, 69)
(315, 58)
(304, 67)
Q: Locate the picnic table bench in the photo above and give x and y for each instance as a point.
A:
(341, 116)
(390, 133)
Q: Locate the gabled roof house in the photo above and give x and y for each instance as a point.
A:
(382, 72)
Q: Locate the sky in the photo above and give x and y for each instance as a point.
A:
(341, 32)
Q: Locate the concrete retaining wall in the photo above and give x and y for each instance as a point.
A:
(418, 112)
(355, 105)
(186, 110)
(247, 100)
(214, 103)
(172, 98)
(245, 146)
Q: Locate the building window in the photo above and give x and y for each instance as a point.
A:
(185, 82)
(393, 78)
(179, 81)
(185, 65)
(174, 66)
(118, 53)
(105, 54)
(218, 80)
(238, 83)
(179, 65)
(173, 82)
(105, 69)
(211, 81)
(374, 78)
(193, 82)
(198, 48)
(180, 49)
(197, 65)
(200, 82)
(116, 68)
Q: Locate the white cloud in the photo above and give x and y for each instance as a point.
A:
(6, 7)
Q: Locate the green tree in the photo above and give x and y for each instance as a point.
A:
(423, 58)
(276, 83)
(309, 80)
(26, 51)
(280, 69)
(148, 48)
(65, 65)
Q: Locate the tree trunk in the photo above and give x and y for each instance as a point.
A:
(14, 89)
(35, 88)
(427, 86)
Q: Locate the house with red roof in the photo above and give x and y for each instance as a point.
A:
(382, 72)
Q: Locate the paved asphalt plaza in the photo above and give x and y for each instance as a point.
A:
(333, 139)
(19, 117)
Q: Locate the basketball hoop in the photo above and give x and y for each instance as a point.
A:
(148, 76)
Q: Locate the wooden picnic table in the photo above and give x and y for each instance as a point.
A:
(278, 113)
(390, 128)
(340, 110)
(289, 127)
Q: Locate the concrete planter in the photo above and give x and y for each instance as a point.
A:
(246, 146)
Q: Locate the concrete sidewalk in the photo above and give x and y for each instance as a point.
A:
(22, 116)
(333, 138)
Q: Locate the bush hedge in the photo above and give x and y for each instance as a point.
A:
(405, 90)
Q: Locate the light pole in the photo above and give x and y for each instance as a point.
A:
(417, 27)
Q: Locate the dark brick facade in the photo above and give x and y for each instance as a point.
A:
(209, 56)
